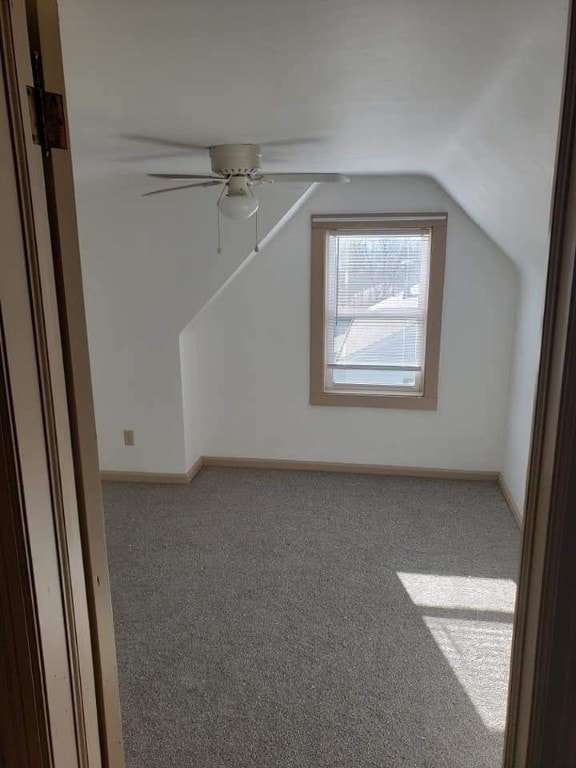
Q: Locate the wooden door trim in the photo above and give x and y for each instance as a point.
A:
(82, 713)
(540, 713)
(24, 721)
(538, 730)
(47, 344)
(44, 31)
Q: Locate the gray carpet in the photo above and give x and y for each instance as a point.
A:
(300, 619)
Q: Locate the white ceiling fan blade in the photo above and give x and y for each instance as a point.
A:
(186, 176)
(297, 142)
(338, 177)
(184, 186)
(158, 140)
(157, 156)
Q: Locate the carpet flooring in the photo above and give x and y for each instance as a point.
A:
(295, 619)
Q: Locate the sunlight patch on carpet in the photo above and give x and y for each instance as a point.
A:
(477, 645)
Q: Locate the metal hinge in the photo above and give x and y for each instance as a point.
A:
(46, 113)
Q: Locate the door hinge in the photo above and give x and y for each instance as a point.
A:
(46, 112)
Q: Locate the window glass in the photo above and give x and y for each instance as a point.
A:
(376, 302)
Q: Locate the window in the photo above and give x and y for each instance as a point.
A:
(377, 284)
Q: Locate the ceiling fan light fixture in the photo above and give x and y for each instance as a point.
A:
(238, 206)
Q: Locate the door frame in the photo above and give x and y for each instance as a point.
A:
(49, 383)
(24, 730)
(541, 723)
(44, 34)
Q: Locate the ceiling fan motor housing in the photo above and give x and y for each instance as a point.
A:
(235, 159)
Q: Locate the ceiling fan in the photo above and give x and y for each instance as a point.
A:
(237, 168)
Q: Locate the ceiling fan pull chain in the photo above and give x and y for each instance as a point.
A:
(219, 249)
(256, 246)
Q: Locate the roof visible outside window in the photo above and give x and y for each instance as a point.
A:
(377, 285)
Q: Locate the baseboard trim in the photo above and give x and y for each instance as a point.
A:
(360, 469)
(113, 476)
(194, 469)
(307, 466)
(512, 506)
(169, 478)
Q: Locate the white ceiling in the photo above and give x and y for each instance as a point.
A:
(466, 91)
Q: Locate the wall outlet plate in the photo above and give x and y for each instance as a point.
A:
(128, 437)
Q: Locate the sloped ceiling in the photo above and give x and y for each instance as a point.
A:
(468, 92)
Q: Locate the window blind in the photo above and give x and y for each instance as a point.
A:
(376, 307)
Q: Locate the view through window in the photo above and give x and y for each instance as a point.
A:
(376, 309)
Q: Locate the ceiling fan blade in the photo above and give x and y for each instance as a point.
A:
(156, 156)
(184, 186)
(162, 142)
(186, 176)
(292, 142)
(304, 177)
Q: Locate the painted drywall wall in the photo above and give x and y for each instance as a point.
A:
(525, 364)
(469, 93)
(252, 347)
(498, 163)
(148, 267)
(191, 396)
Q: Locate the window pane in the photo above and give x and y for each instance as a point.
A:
(376, 301)
(380, 271)
(374, 378)
(379, 342)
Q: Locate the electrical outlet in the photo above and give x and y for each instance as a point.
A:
(128, 437)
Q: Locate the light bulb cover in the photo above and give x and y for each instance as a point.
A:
(238, 206)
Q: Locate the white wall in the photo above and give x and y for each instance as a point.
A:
(149, 266)
(191, 396)
(253, 353)
(499, 165)
(523, 381)
(472, 99)
(498, 162)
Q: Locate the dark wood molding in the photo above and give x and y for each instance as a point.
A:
(44, 34)
(47, 344)
(72, 674)
(553, 742)
(24, 731)
(541, 727)
(553, 724)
